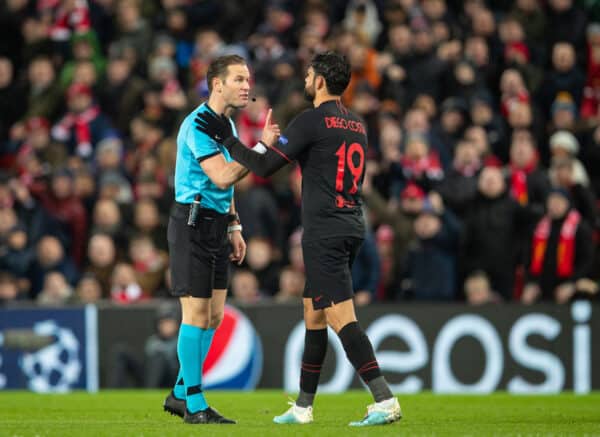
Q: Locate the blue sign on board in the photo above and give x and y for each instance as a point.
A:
(49, 350)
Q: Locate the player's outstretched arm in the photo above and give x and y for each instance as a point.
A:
(264, 164)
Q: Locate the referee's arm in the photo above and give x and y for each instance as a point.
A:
(222, 173)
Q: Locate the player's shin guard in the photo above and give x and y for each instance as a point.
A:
(360, 353)
(315, 348)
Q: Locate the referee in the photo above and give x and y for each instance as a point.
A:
(330, 144)
(204, 233)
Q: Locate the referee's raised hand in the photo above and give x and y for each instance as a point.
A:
(216, 126)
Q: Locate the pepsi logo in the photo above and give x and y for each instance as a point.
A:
(235, 358)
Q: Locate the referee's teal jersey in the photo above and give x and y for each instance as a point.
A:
(190, 179)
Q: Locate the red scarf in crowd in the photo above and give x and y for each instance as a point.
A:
(75, 19)
(518, 181)
(565, 254)
(81, 123)
(429, 166)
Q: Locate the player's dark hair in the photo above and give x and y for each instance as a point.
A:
(218, 67)
(335, 69)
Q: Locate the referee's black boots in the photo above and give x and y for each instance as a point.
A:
(207, 416)
(174, 406)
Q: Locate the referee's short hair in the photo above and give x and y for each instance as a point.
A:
(218, 67)
(335, 69)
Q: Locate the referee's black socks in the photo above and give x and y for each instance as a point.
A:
(360, 353)
(315, 347)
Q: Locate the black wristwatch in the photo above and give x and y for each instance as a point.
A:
(234, 217)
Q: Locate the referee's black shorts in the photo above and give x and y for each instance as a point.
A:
(328, 265)
(198, 257)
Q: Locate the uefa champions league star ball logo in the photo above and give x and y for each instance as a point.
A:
(56, 367)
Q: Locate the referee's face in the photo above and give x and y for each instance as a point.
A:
(236, 86)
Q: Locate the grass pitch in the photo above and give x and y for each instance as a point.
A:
(139, 413)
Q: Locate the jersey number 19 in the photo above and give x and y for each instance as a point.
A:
(346, 157)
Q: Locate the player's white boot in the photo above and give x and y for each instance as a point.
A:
(381, 413)
(295, 414)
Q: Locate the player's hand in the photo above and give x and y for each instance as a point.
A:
(271, 131)
(215, 126)
(238, 247)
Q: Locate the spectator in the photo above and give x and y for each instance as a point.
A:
(259, 258)
(420, 164)
(121, 92)
(490, 233)
(102, 258)
(160, 350)
(50, 257)
(590, 109)
(365, 272)
(124, 285)
(88, 289)
(147, 220)
(454, 118)
(563, 114)
(107, 219)
(566, 22)
(56, 290)
(132, 28)
(430, 267)
(529, 184)
(291, 286)
(562, 174)
(459, 188)
(561, 252)
(257, 207)
(244, 287)
(487, 122)
(44, 93)
(67, 209)
(9, 288)
(12, 98)
(149, 263)
(531, 16)
(84, 47)
(83, 125)
(478, 290)
(564, 144)
(590, 157)
(17, 253)
(565, 77)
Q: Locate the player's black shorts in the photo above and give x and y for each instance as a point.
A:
(198, 257)
(328, 264)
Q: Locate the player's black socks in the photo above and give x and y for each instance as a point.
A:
(360, 353)
(315, 348)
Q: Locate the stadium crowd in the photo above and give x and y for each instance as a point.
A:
(483, 123)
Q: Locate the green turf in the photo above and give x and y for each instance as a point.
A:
(139, 413)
